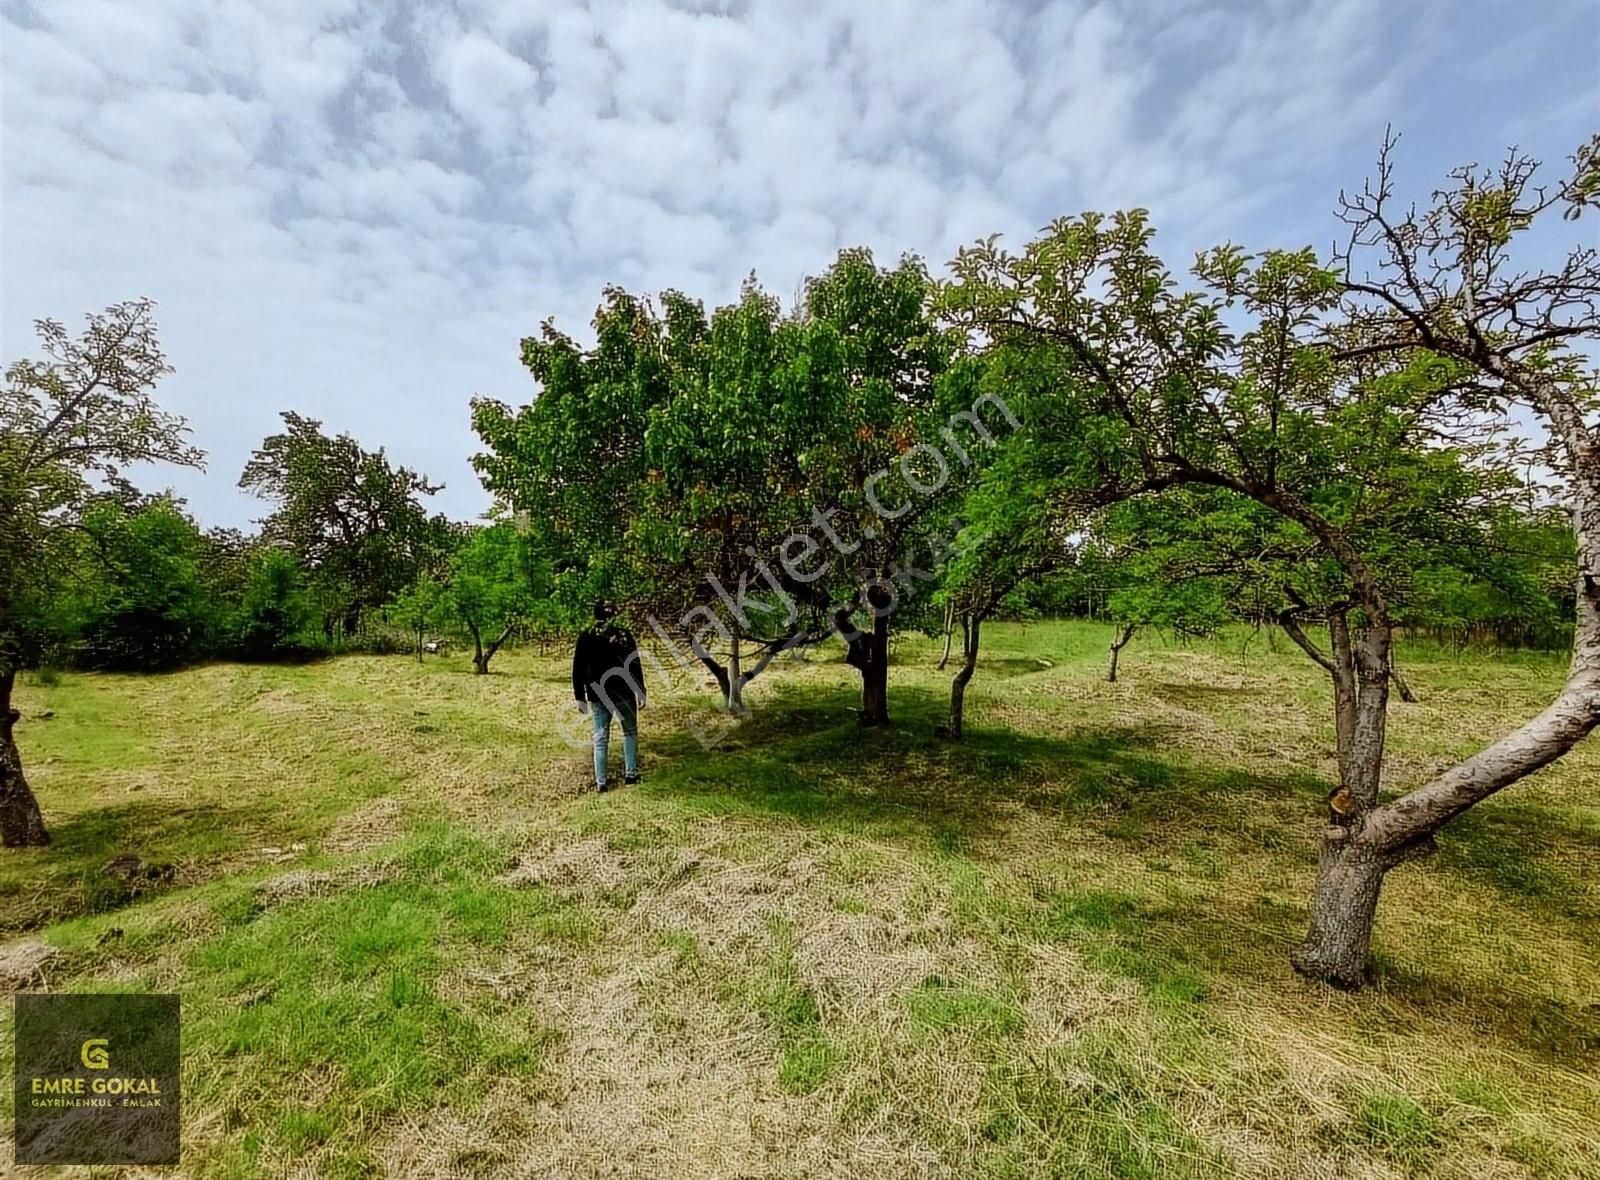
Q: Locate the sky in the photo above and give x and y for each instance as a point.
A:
(357, 210)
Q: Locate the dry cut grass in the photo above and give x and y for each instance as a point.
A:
(410, 944)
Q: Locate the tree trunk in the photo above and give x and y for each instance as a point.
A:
(868, 653)
(949, 632)
(734, 699)
(1369, 839)
(1121, 641)
(1406, 694)
(718, 672)
(970, 627)
(482, 655)
(1350, 872)
(1343, 908)
(875, 678)
(21, 824)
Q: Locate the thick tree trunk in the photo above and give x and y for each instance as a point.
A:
(1377, 838)
(1123, 636)
(868, 653)
(970, 630)
(1343, 908)
(875, 676)
(1350, 873)
(21, 824)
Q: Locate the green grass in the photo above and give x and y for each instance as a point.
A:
(410, 944)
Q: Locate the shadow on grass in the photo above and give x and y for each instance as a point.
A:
(803, 755)
(69, 878)
(1528, 853)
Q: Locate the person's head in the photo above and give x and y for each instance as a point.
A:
(604, 612)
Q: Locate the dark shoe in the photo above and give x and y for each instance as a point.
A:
(601, 787)
(631, 779)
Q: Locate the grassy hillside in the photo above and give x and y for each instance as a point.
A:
(410, 943)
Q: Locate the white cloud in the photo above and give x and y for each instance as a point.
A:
(356, 210)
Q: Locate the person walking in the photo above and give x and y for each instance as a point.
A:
(607, 683)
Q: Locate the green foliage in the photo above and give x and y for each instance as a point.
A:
(72, 417)
(417, 607)
(144, 601)
(1309, 481)
(685, 457)
(276, 617)
(498, 583)
(353, 519)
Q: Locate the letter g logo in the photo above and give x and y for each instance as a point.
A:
(93, 1053)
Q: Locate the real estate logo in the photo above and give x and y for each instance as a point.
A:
(96, 1079)
(94, 1055)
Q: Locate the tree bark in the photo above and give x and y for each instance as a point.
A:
(1124, 635)
(868, 653)
(949, 632)
(482, 655)
(734, 701)
(735, 676)
(971, 627)
(1350, 871)
(21, 823)
(718, 670)
(1343, 909)
(875, 676)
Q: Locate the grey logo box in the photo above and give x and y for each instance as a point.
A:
(96, 1079)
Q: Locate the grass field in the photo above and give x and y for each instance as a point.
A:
(409, 943)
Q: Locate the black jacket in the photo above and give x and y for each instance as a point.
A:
(605, 666)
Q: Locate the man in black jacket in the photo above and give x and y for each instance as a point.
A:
(607, 682)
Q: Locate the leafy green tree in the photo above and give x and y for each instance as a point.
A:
(1160, 564)
(1262, 382)
(275, 616)
(418, 607)
(69, 420)
(723, 489)
(1009, 537)
(879, 454)
(571, 463)
(743, 477)
(355, 521)
(494, 588)
(143, 602)
(1519, 595)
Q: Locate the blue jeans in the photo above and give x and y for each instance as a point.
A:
(626, 712)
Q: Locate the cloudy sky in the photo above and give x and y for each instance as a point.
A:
(356, 210)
